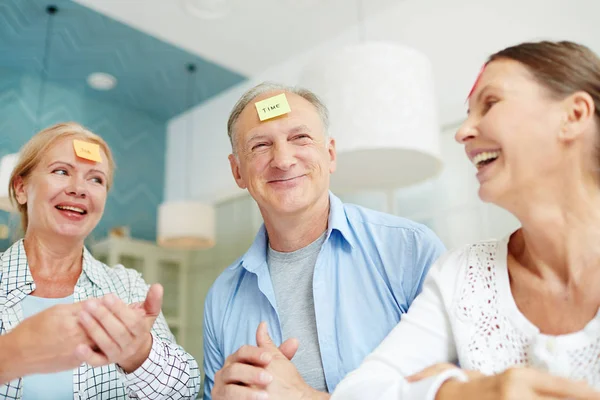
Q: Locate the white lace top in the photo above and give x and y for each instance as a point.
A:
(466, 314)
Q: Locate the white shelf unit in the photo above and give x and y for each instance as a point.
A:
(157, 265)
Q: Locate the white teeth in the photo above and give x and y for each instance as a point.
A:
(69, 208)
(485, 156)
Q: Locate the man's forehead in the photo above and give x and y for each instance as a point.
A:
(269, 94)
(250, 113)
(287, 126)
(249, 118)
(291, 97)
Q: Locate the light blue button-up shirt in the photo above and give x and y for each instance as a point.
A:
(369, 270)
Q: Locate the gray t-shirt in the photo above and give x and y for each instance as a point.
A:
(292, 276)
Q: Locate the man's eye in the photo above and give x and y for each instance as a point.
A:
(258, 146)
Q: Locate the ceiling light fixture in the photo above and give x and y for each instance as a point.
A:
(187, 224)
(101, 81)
(383, 114)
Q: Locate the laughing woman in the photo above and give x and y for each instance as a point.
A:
(522, 312)
(63, 310)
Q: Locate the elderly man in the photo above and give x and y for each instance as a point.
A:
(329, 277)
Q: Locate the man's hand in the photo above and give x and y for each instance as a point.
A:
(244, 375)
(286, 384)
(120, 332)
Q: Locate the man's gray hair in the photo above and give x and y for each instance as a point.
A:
(267, 87)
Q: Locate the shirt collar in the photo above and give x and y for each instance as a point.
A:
(338, 221)
(15, 272)
(15, 269)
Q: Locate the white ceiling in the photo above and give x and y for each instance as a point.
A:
(253, 35)
(263, 38)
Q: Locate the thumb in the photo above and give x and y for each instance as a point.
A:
(262, 336)
(153, 301)
(289, 348)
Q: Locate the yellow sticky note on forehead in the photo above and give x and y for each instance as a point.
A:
(272, 107)
(87, 150)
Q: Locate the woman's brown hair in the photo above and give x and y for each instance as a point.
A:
(563, 68)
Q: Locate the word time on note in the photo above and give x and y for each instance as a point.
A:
(272, 107)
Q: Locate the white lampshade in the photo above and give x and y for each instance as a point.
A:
(382, 115)
(186, 225)
(7, 164)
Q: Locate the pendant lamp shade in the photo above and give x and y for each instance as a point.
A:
(186, 225)
(382, 114)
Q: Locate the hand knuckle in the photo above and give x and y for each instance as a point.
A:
(227, 374)
(233, 357)
(218, 377)
(233, 370)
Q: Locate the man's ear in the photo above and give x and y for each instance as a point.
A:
(332, 155)
(234, 163)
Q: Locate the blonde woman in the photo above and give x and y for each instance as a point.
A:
(63, 310)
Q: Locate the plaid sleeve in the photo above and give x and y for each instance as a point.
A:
(169, 372)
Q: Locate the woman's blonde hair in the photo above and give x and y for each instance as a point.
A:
(32, 152)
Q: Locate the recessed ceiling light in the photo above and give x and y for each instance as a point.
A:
(101, 81)
(207, 9)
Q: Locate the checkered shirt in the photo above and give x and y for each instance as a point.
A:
(168, 373)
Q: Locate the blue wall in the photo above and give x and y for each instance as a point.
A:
(137, 140)
(153, 86)
(151, 74)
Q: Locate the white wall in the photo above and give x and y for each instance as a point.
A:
(456, 35)
(448, 204)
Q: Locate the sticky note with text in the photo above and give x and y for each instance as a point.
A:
(272, 107)
(87, 150)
